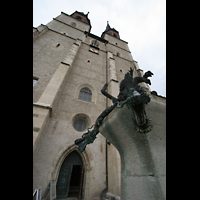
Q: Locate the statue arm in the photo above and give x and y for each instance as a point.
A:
(103, 91)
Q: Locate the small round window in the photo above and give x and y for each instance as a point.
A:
(81, 122)
(73, 24)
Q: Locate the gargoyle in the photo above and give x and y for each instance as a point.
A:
(130, 94)
(136, 98)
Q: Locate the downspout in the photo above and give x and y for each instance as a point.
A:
(101, 195)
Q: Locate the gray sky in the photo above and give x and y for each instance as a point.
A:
(142, 23)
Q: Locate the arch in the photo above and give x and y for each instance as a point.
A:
(58, 162)
(69, 183)
(94, 93)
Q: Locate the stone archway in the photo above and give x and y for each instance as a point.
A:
(71, 176)
(82, 167)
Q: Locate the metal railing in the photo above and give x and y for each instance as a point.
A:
(37, 193)
(51, 187)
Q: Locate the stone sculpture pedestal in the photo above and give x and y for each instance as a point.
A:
(143, 156)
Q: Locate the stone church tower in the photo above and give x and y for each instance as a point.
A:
(70, 67)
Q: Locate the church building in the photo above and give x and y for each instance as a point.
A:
(70, 67)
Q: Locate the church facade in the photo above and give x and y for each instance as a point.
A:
(70, 67)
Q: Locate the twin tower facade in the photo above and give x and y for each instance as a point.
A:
(70, 67)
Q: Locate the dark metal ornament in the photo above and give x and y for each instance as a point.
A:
(134, 97)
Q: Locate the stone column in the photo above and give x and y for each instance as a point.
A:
(142, 156)
(42, 108)
(114, 162)
(113, 86)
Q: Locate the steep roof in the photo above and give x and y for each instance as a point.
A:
(82, 17)
(110, 31)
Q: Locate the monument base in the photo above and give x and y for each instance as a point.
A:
(143, 156)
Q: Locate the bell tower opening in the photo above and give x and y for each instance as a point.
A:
(70, 179)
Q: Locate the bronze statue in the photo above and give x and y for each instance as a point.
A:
(130, 94)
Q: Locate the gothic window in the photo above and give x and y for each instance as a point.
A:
(85, 94)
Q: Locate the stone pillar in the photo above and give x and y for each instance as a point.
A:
(42, 108)
(114, 162)
(113, 86)
(143, 156)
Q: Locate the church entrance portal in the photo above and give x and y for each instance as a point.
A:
(70, 179)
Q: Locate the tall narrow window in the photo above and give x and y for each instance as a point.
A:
(85, 94)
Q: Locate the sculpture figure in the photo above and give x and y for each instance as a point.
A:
(130, 94)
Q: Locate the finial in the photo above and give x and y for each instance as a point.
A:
(87, 13)
(108, 26)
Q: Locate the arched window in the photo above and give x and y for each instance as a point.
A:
(85, 94)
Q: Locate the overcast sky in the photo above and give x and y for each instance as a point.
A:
(142, 23)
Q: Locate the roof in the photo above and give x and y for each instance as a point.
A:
(110, 31)
(84, 17)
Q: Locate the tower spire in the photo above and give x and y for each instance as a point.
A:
(110, 31)
(108, 26)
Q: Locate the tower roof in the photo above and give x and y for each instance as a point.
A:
(108, 26)
(110, 31)
(81, 17)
